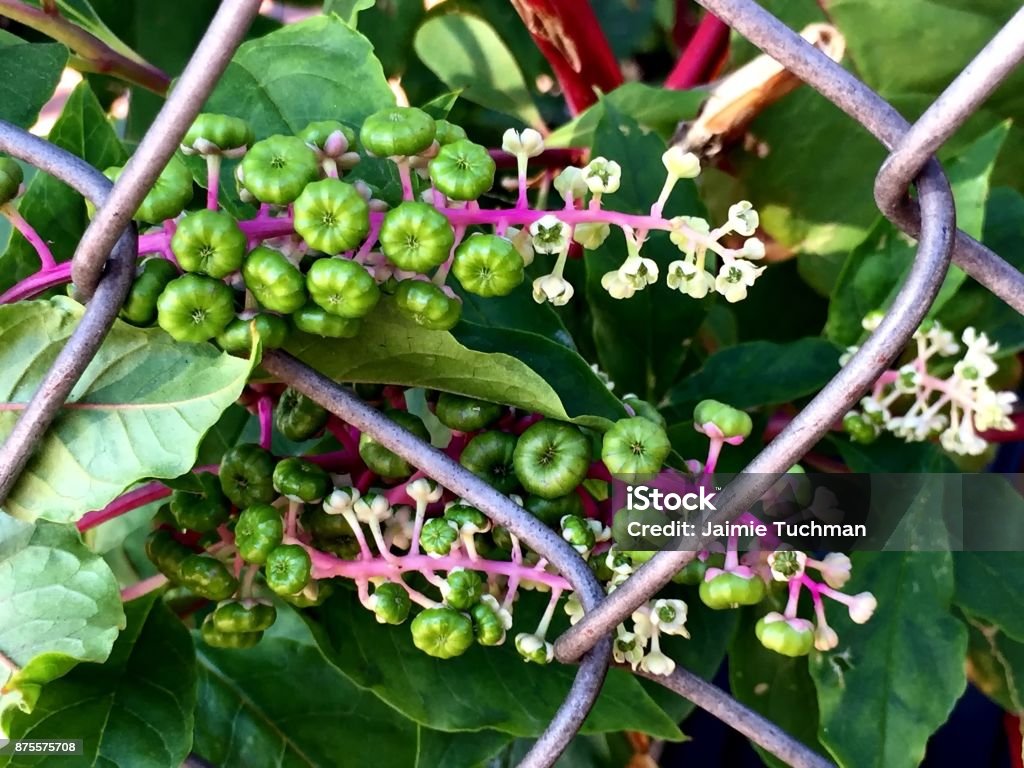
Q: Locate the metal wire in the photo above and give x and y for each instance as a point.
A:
(99, 315)
(225, 33)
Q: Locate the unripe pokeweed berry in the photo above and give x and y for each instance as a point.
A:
(317, 133)
(169, 195)
(288, 568)
(397, 131)
(208, 577)
(140, 305)
(448, 132)
(277, 169)
(438, 536)
(551, 458)
(383, 461)
(731, 421)
(272, 331)
(342, 287)
(331, 216)
(214, 638)
(297, 417)
(693, 572)
(427, 305)
(258, 532)
(468, 519)
(490, 456)
(462, 170)
(201, 511)
(727, 589)
(551, 511)
(462, 589)
(316, 320)
(487, 625)
(245, 475)
(195, 308)
(466, 414)
(166, 553)
(11, 177)
(789, 637)
(223, 132)
(391, 603)
(416, 237)
(277, 284)
(488, 265)
(442, 632)
(238, 616)
(209, 242)
(635, 446)
(301, 480)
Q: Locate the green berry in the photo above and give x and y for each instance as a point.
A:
(208, 577)
(448, 132)
(731, 421)
(488, 265)
(490, 456)
(209, 242)
(342, 287)
(635, 447)
(140, 305)
(317, 134)
(245, 475)
(462, 589)
(551, 458)
(288, 569)
(222, 132)
(331, 216)
(204, 511)
(397, 131)
(462, 170)
(11, 178)
(166, 553)
(301, 480)
(195, 308)
(277, 169)
(382, 460)
(487, 626)
(231, 640)
(316, 320)
(271, 330)
(277, 284)
(551, 511)
(391, 603)
(466, 414)
(169, 195)
(239, 616)
(438, 536)
(258, 532)
(427, 305)
(789, 637)
(442, 632)
(416, 237)
(728, 589)
(297, 417)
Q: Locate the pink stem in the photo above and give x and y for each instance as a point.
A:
(714, 449)
(212, 181)
(35, 284)
(29, 233)
(794, 598)
(265, 408)
(140, 497)
(697, 63)
(143, 587)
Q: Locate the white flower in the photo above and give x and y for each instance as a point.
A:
(552, 288)
(528, 142)
(550, 235)
(743, 218)
(534, 648)
(341, 501)
(862, 607)
(734, 279)
(602, 176)
(642, 624)
(591, 234)
(835, 569)
(753, 249)
(570, 184)
(825, 638)
(669, 616)
(504, 616)
(963, 440)
(372, 508)
(657, 663)
(909, 379)
(684, 277)
(400, 527)
(424, 491)
(616, 285)
(686, 232)
(574, 609)
(639, 272)
(523, 243)
(628, 648)
(618, 563)
(682, 165)
(787, 564)
(992, 409)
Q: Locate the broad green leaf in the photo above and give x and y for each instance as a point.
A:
(59, 605)
(136, 709)
(995, 664)
(659, 109)
(465, 52)
(392, 349)
(484, 688)
(776, 686)
(55, 210)
(439, 107)
(30, 73)
(470, 749)
(516, 311)
(348, 10)
(284, 704)
(756, 373)
(990, 586)
(641, 341)
(390, 27)
(139, 410)
(889, 454)
(894, 680)
(874, 271)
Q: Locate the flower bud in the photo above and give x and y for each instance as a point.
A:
(528, 142)
(552, 288)
(743, 218)
(862, 607)
(835, 569)
(570, 184)
(424, 491)
(534, 648)
(682, 165)
(390, 602)
(730, 421)
(592, 234)
(657, 663)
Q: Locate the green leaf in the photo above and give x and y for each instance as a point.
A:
(990, 587)
(59, 604)
(348, 10)
(437, 749)
(484, 688)
(889, 454)
(874, 271)
(996, 664)
(283, 704)
(136, 709)
(776, 686)
(641, 341)
(392, 349)
(55, 210)
(658, 109)
(30, 73)
(894, 680)
(149, 397)
(466, 52)
(516, 311)
(439, 106)
(756, 373)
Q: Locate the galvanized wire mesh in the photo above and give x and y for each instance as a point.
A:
(103, 265)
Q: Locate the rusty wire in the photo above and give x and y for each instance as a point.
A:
(931, 217)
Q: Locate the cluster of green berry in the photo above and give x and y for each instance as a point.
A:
(318, 273)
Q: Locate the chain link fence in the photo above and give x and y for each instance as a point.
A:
(104, 264)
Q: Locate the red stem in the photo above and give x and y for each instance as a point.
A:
(568, 34)
(702, 55)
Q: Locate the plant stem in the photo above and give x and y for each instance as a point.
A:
(140, 497)
(265, 409)
(143, 587)
(702, 54)
(29, 233)
(213, 163)
(93, 54)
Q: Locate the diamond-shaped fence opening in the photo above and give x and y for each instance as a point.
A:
(103, 266)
